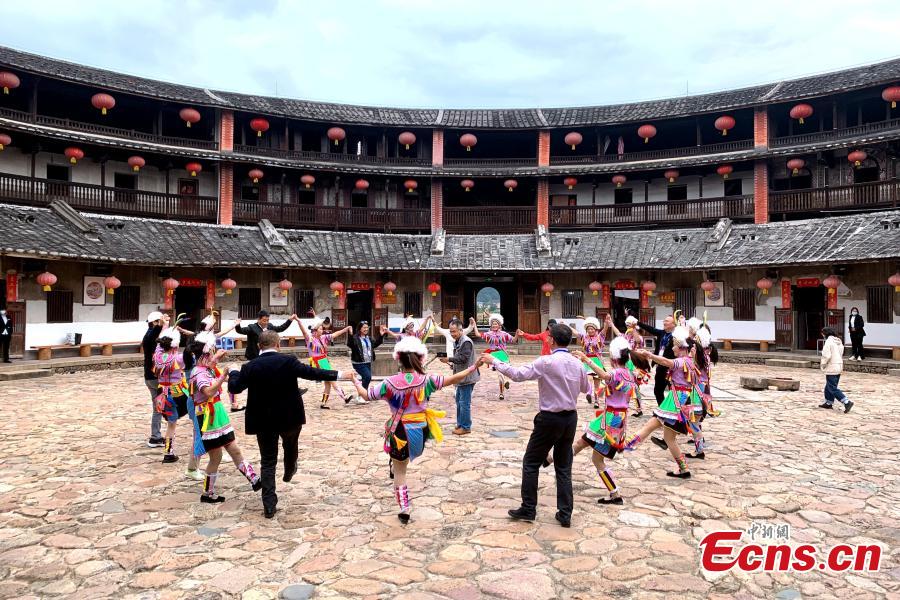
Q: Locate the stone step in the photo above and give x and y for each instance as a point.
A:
(894, 372)
(24, 374)
(784, 362)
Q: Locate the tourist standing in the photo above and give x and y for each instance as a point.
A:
(6, 330)
(561, 379)
(462, 357)
(155, 322)
(362, 354)
(253, 331)
(857, 333)
(832, 364)
(449, 340)
(542, 337)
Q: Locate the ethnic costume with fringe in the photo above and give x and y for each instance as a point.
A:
(412, 422)
(172, 400)
(318, 351)
(497, 342)
(678, 412)
(212, 426)
(592, 345)
(606, 433)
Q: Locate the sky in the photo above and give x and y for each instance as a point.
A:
(460, 54)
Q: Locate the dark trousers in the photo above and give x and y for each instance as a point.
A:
(660, 383)
(268, 456)
(4, 345)
(857, 341)
(556, 431)
(365, 373)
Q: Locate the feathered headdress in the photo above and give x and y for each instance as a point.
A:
(704, 337)
(631, 321)
(411, 345)
(680, 336)
(592, 322)
(617, 346)
(407, 322)
(173, 334)
(694, 324)
(496, 317)
(208, 339)
(209, 321)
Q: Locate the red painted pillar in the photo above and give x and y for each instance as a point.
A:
(226, 193)
(226, 131)
(544, 148)
(437, 147)
(760, 192)
(543, 203)
(437, 204)
(761, 127)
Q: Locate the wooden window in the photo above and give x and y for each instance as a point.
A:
(572, 303)
(676, 192)
(250, 192)
(879, 305)
(58, 173)
(188, 187)
(59, 306)
(745, 304)
(124, 181)
(531, 296)
(303, 302)
(686, 301)
(412, 303)
(249, 303)
(126, 303)
(734, 187)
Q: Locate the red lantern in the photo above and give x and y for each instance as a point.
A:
(892, 95)
(136, 163)
(573, 138)
(407, 138)
(46, 280)
(832, 282)
(510, 184)
(619, 180)
(307, 180)
(547, 288)
(795, 164)
(189, 116)
(336, 134)
(467, 184)
(646, 131)
(671, 175)
(390, 287)
(724, 123)
(725, 171)
(857, 157)
(111, 284)
(337, 287)
(228, 285)
(649, 287)
(285, 285)
(9, 81)
(468, 140)
(103, 102)
(801, 111)
(434, 287)
(361, 185)
(410, 185)
(5, 140)
(74, 154)
(707, 286)
(570, 182)
(894, 280)
(170, 285)
(255, 175)
(193, 168)
(259, 125)
(765, 284)
(595, 287)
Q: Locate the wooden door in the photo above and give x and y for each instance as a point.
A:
(834, 318)
(338, 318)
(784, 328)
(452, 305)
(16, 312)
(530, 311)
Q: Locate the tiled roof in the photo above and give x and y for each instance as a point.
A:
(528, 118)
(40, 232)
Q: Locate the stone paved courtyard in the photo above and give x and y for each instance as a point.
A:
(87, 510)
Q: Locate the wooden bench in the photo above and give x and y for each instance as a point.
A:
(107, 349)
(895, 350)
(46, 352)
(763, 344)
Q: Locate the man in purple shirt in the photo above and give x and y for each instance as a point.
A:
(561, 379)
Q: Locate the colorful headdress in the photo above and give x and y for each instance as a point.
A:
(631, 321)
(680, 336)
(617, 346)
(209, 321)
(694, 324)
(411, 345)
(704, 337)
(407, 322)
(592, 322)
(208, 339)
(496, 317)
(173, 334)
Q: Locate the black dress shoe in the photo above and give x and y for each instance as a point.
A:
(520, 514)
(825, 405)
(257, 485)
(660, 442)
(617, 500)
(289, 474)
(303, 390)
(698, 455)
(679, 474)
(563, 521)
(269, 512)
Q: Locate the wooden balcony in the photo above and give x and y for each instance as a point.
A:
(18, 189)
(333, 217)
(489, 163)
(644, 214)
(331, 157)
(653, 154)
(860, 196)
(486, 219)
(141, 136)
(866, 131)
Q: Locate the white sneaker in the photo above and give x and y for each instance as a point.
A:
(361, 400)
(196, 474)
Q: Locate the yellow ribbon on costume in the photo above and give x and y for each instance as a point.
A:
(430, 418)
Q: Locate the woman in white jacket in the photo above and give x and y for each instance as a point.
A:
(833, 365)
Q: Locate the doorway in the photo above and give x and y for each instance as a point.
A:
(192, 302)
(506, 296)
(810, 306)
(359, 307)
(625, 300)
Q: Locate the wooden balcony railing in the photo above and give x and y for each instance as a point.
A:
(651, 213)
(105, 130)
(19, 189)
(490, 163)
(333, 217)
(332, 157)
(847, 133)
(876, 194)
(482, 219)
(654, 154)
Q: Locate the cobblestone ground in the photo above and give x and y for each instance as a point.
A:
(87, 510)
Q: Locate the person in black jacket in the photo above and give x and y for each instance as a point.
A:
(664, 348)
(6, 331)
(254, 330)
(857, 333)
(362, 355)
(275, 408)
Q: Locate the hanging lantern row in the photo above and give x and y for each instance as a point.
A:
(510, 184)
(193, 168)
(336, 135)
(337, 287)
(5, 140)
(857, 157)
(795, 164)
(259, 125)
(892, 95)
(229, 284)
(764, 284)
(255, 175)
(646, 131)
(103, 102)
(307, 180)
(111, 284)
(407, 138)
(573, 138)
(894, 280)
(9, 81)
(468, 140)
(74, 154)
(547, 288)
(410, 185)
(285, 286)
(390, 287)
(170, 285)
(136, 163)
(671, 175)
(595, 287)
(801, 112)
(46, 280)
(434, 287)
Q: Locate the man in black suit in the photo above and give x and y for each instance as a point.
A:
(254, 330)
(275, 408)
(663, 347)
(6, 330)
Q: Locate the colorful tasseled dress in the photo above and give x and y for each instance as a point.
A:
(318, 351)
(211, 422)
(606, 433)
(497, 341)
(702, 395)
(412, 422)
(172, 401)
(677, 411)
(636, 341)
(593, 347)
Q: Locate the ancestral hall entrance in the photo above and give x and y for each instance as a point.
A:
(459, 299)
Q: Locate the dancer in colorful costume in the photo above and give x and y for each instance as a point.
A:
(592, 341)
(640, 369)
(317, 342)
(702, 396)
(497, 341)
(409, 329)
(412, 422)
(212, 427)
(209, 323)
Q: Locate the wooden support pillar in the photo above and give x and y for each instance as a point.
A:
(437, 204)
(226, 193)
(761, 127)
(226, 131)
(543, 202)
(437, 148)
(543, 148)
(760, 192)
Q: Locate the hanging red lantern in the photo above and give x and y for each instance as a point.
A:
(892, 95)
(136, 163)
(407, 138)
(671, 175)
(547, 288)
(307, 180)
(467, 184)
(111, 284)
(255, 175)
(434, 287)
(5, 141)
(510, 184)
(707, 286)
(595, 287)
(801, 112)
(361, 185)
(646, 131)
(103, 102)
(189, 116)
(765, 284)
(193, 168)
(9, 81)
(857, 157)
(570, 182)
(468, 140)
(619, 180)
(894, 280)
(337, 287)
(228, 284)
(74, 154)
(46, 280)
(410, 185)
(170, 285)
(389, 288)
(795, 164)
(725, 171)
(832, 282)
(285, 285)
(336, 134)
(649, 287)
(724, 123)
(259, 125)
(573, 138)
